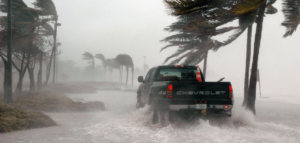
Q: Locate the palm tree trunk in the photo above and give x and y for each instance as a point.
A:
(48, 71)
(248, 55)
(31, 78)
(126, 75)
(205, 64)
(39, 78)
(253, 78)
(54, 51)
(19, 87)
(121, 73)
(5, 81)
(132, 70)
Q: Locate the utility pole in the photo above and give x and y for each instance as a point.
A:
(9, 53)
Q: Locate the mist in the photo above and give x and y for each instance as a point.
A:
(136, 28)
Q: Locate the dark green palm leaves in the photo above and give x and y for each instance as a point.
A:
(291, 11)
(196, 28)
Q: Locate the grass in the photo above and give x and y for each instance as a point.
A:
(13, 119)
(53, 102)
(24, 112)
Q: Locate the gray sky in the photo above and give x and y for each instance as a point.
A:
(134, 27)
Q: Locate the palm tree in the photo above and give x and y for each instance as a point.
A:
(47, 8)
(90, 58)
(270, 10)
(126, 60)
(244, 10)
(248, 54)
(101, 57)
(129, 64)
(26, 20)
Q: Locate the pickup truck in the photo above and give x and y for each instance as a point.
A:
(183, 89)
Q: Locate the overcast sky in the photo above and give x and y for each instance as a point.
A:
(135, 27)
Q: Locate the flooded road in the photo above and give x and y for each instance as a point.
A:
(276, 121)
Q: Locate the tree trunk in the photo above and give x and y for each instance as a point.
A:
(248, 55)
(120, 70)
(126, 75)
(54, 50)
(205, 65)
(253, 78)
(39, 78)
(5, 81)
(19, 87)
(48, 72)
(22, 71)
(31, 78)
(132, 70)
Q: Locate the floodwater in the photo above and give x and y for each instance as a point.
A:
(277, 121)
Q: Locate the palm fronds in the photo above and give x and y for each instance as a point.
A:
(291, 11)
(87, 56)
(247, 6)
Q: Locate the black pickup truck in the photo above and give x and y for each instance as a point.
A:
(183, 89)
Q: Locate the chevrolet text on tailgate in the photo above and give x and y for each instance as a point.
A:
(183, 90)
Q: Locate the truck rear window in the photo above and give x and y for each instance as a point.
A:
(176, 74)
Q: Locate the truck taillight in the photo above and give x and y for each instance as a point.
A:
(170, 87)
(169, 91)
(230, 91)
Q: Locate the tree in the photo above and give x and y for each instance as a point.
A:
(90, 58)
(244, 10)
(126, 60)
(270, 10)
(25, 23)
(101, 57)
(47, 8)
(253, 78)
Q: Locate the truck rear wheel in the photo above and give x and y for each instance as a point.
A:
(155, 113)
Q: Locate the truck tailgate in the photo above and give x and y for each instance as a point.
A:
(201, 92)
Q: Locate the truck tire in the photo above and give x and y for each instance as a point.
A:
(139, 103)
(154, 113)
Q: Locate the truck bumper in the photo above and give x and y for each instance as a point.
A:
(191, 107)
(211, 109)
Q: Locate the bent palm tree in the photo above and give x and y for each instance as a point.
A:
(102, 59)
(47, 8)
(270, 10)
(90, 58)
(126, 60)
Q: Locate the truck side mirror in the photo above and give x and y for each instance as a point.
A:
(140, 79)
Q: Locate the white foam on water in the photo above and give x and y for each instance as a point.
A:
(122, 123)
(242, 127)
